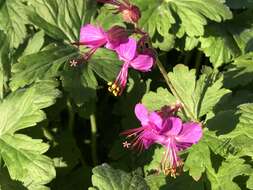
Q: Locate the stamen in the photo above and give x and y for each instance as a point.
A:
(126, 144)
(114, 88)
(73, 63)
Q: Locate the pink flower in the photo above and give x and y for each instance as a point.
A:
(167, 130)
(95, 37)
(132, 59)
(130, 13)
(146, 135)
(176, 136)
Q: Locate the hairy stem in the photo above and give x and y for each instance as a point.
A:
(185, 109)
(93, 139)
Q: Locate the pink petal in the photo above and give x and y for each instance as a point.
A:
(142, 62)
(141, 113)
(191, 133)
(92, 36)
(156, 119)
(127, 50)
(172, 126)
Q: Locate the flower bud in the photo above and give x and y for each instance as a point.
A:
(117, 34)
(130, 13)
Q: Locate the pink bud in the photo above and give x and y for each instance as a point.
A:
(130, 13)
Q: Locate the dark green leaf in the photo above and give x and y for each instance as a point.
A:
(42, 65)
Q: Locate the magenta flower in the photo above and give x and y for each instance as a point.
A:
(168, 131)
(146, 135)
(176, 136)
(127, 52)
(95, 37)
(130, 13)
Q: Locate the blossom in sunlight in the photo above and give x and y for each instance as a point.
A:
(176, 136)
(95, 37)
(167, 130)
(144, 136)
(127, 52)
(130, 12)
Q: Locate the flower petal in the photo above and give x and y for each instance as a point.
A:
(191, 133)
(127, 50)
(142, 62)
(156, 119)
(141, 113)
(92, 36)
(172, 126)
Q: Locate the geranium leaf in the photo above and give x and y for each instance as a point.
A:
(153, 100)
(225, 41)
(61, 19)
(106, 178)
(14, 21)
(199, 97)
(22, 155)
(4, 63)
(239, 73)
(105, 64)
(43, 65)
(81, 84)
(171, 16)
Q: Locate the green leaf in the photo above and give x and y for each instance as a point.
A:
(250, 182)
(43, 65)
(4, 64)
(35, 43)
(198, 160)
(227, 172)
(61, 19)
(162, 182)
(80, 83)
(105, 64)
(239, 73)
(155, 163)
(162, 16)
(7, 184)
(225, 41)
(22, 155)
(106, 18)
(153, 100)
(106, 178)
(13, 24)
(198, 97)
(242, 4)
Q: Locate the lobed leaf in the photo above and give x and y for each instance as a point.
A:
(198, 97)
(22, 155)
(61, 19)
(43, 65)
(13, 24)
(163, 18)
(106, 178)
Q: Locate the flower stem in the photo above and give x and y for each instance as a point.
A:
(71, 114)
(186, 110)
(93, 139)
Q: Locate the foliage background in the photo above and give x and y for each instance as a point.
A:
(59, 127)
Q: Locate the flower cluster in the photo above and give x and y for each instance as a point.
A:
(117, 39)
(164, 128)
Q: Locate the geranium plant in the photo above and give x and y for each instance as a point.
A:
(126, 94)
